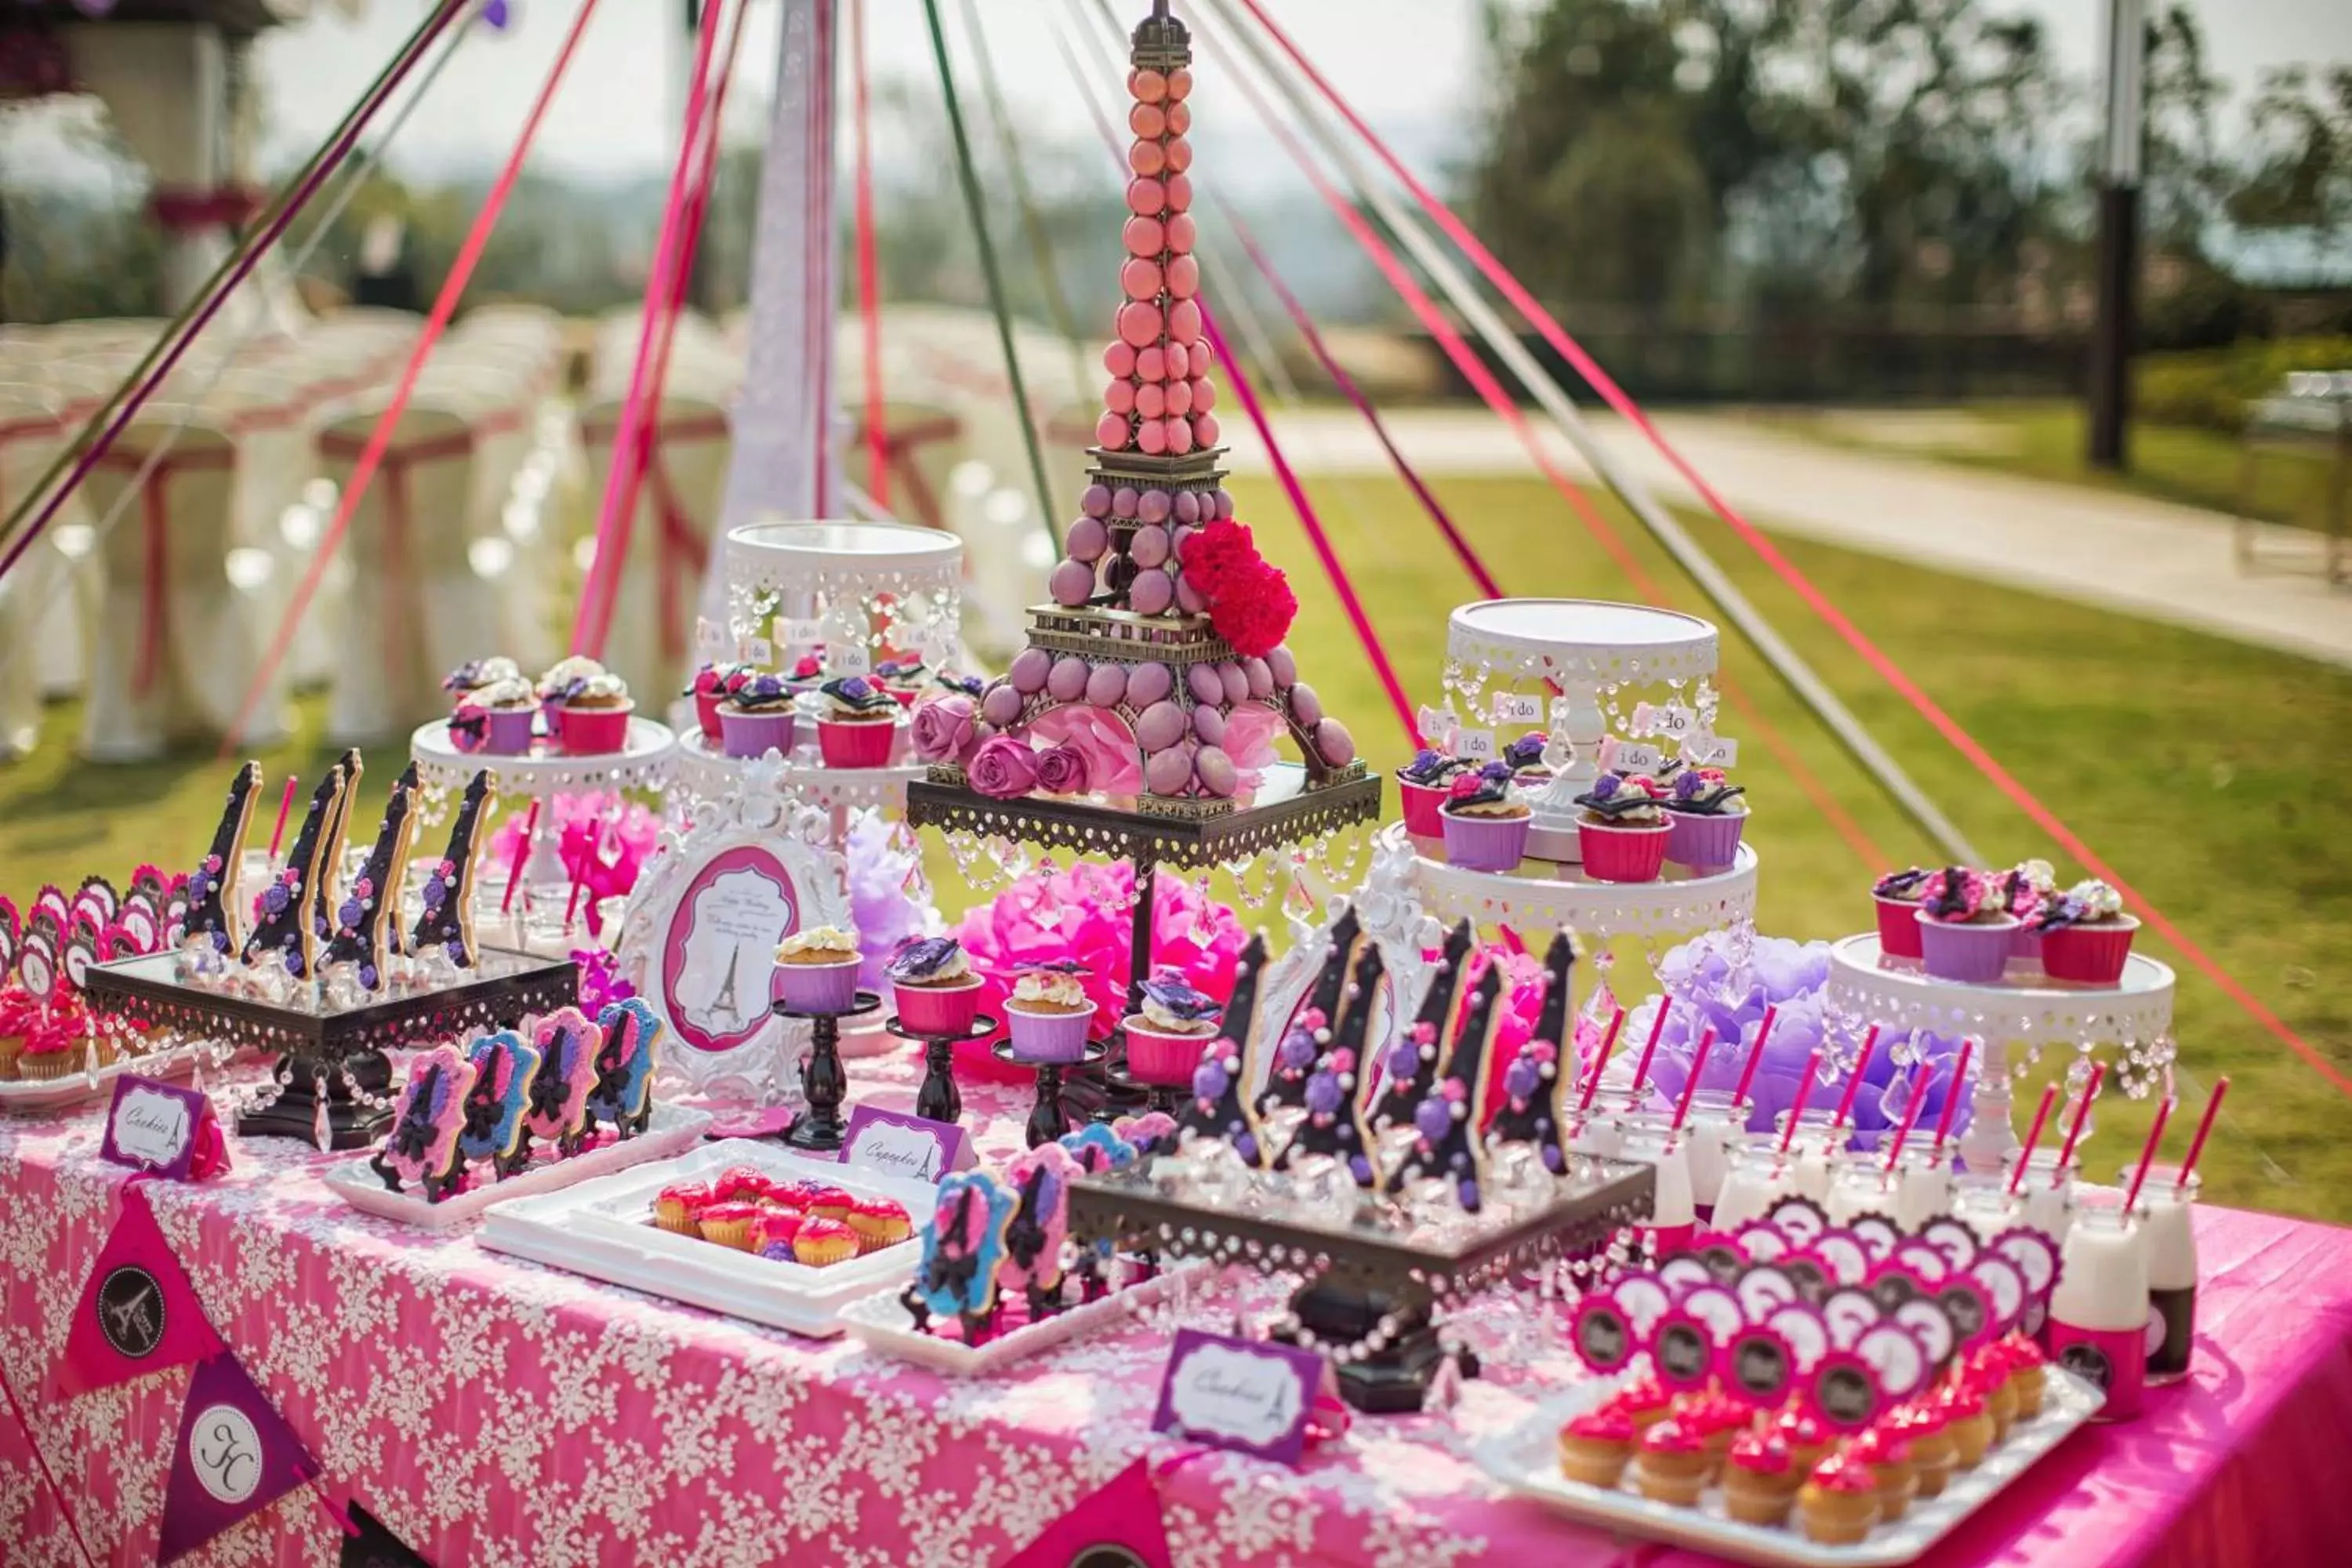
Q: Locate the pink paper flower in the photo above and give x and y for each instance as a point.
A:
(1003, 768)
(1062, 770)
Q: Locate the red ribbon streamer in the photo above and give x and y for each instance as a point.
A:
(180, 211)
(682, 550)
(155, 518)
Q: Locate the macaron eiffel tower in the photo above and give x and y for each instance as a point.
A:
(1419, 1051)
(370, 913)
(1217, 1108)
(1446, 1123)
(1529, 1111)
(283, 926)
(447, 922)
(212, 916)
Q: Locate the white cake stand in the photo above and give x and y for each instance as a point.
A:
(2014, 1019)
(702, 773)
(848, 581)
(1582, 652)
(1676, 905)
(643, 762)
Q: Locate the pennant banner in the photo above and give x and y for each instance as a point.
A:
(374, 1546)
(1118, 1526)
(137, 1313)
(234, 1456)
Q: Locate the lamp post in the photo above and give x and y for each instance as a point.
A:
(2121, 145)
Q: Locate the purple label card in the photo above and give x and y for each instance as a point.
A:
(154, 1126)
(1246, 1394)
(894, 1143)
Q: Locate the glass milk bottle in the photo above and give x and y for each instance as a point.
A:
(1591, 1132)
(1859, 1185)
(1816, 1141)
(2048, 1192)
(1981, 1201)
(2164, 1207)
(1716, 1126)
(1755, 1177)
(1672, 1218)
(2098, 1312)
(1923, 1189)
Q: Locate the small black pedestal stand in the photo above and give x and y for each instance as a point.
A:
(351, 1122)
(939, 1100)
(1048, 1118)
(824, 1084)
(1165, 1098)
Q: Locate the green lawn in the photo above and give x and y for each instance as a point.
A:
(2205, 771)
(2183, 464)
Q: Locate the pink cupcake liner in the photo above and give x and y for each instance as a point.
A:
(1623, 854)
(2025, 943)
(939, 1009)
(1421, 818)
(1971, 954)
(2088, 954)
(706, 714)
(1156, 1057)
(753, 734)
(1049, 1037)
(819, 987)
(591, 731)
(1486, 842)
(507, 732)
(1705, 843)
(855, 745)
(1898, 927)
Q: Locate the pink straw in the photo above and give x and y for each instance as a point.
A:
(1952, 1090)
(522, 851)
(285, 804)
(2082, 1114)
(1804, 1093)
(579, 886)
(2040, 1120)
(1592, 1079)
(1698, 1065)
(2147, 1153)
(1903, 1133)
(2204, 1126)
(1755, 1056)
(1853, 1084)
(1642, 1068)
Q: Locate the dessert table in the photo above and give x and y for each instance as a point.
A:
(492, 1411)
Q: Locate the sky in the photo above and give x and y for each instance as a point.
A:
(1412, 66)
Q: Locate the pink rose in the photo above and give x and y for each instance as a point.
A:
(1003, 768)
(943, 730)
(1062, 770)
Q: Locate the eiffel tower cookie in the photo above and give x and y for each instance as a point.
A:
(282, 921)
(369, 914)
(1309, 1033)
(447, 922)
(1445, 1122)
(1334, 1120)
(1529, 1113)
(212, 916)
(1217, 1109)
(1413, 1061)
(330, 856)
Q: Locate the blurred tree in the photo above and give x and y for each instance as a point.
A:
(2302, 175)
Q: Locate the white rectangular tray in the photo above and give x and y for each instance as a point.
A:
(1526, 1461)
(29, 1098)
(673, 1130)
(880, 1322)
(604, 1229)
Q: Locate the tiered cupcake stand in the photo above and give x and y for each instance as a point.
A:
(2015, 1019)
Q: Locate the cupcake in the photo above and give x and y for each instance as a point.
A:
(1760, 1479)
(1896, 894)
(1887, 1454)
(1595, 1445)
(902, 679)
(56, 1046)
(1485, 822)
(1964, 931)
(821, 1243)
(19, 1016)
(880, 1223)
(1622, 831)
(1670, 1463)
(756, 716)
(2026, 890)
(1164, 1041)
(860, 720)
(1962, 1407)
(773, 1231)
(1933, 1453)
(1839, 1502)
(1705, 817)
(591, 705)
(477, 673)
(817, 969)
(2086, 935)
(1049, 1014)
(937, 988)
(728, 1224)
(2026, 1378)
(1645, 1401)
(677, 1208)
(798, 1195)
(496, 719)
(741, 1183)
(1421, 784)
(807, 672)
(828, 1203)
(1717, 1419)
(1809, 1441)
(1524, 757)
(1987, 1373)
(708, 689)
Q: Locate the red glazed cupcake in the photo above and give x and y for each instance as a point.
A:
(937, 989)
(859, 723)
(1166, 1039)
(2085, 936)
(1624, 830)
(1897, 895)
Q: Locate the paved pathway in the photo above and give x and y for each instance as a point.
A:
(2119, 551)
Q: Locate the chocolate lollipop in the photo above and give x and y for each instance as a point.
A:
(283, 926)
(367, 921)
(448, 919)
(1309, 1033)
(1417, 1053)
(1335, 1124)
(213, 915)
(1216, 1109)
(1446, 1142)
(1530, 1110)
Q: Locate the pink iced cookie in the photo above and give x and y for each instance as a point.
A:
(427, 1117)
(1041, 1224)
(558, 1110)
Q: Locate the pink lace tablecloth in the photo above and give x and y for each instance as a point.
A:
(497, 1413)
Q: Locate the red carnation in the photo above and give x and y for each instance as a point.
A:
(1255, 610)
(1219, 557)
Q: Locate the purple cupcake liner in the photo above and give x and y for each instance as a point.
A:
(1049, 1037)
(1970, 955)
(753, 734)
(1704, 843)
(507, 731)
(819, 987)
(1486, 842)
